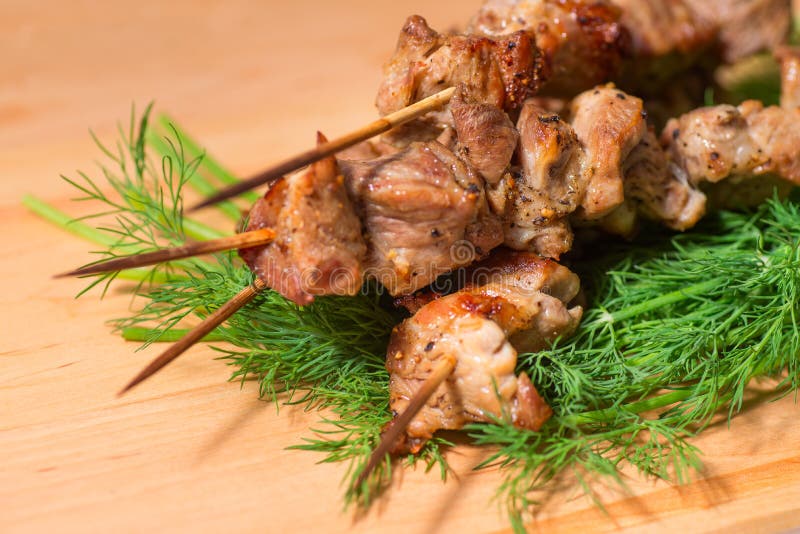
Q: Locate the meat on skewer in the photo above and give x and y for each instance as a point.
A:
(582, 43)
(423, 213)
(515, 302)
(560, 162)
(739, 154)
(653, 38)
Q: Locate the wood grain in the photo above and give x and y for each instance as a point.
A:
(188, 450)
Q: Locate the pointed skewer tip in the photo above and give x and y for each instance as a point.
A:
(437, 376)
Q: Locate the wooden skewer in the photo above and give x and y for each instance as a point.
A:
(437, 376)
(253, 238)
(199, 332)
(324, 150)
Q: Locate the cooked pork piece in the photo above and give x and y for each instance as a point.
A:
(501, 72)
(656, 191)
(609, 124)
(424, 212)
(745, 26)
(751, 147)
(604, 168)
(486, 137)
(713, 143)
(664, 28)
(548, 188)
(318, 248)
(789, 58)
(518, 303)
(581, 42)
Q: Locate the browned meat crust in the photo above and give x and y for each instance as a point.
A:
(750, 147)
(664, 27)
(548, 188)
(609, 124)
(486, 137)
(658, 193)
(318, 248)
(745, 26)
(518, 303)
(424, 212)
(502, 72)
(582, 43)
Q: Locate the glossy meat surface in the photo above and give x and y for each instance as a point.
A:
(518, 303)
(424, 214)
(318, 249)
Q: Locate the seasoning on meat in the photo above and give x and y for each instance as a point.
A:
(751, 147)
(318, 248)
(502, 72)
(582, 43)
(424, 212)
(519, 302)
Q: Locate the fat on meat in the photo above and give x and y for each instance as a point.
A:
(318, 248)
(517, 302)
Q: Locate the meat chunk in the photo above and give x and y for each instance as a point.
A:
(318, 248)
(486, 136)
(711, 143)
(660, 28)
(518, 303)
(603, 169)
(582, 42)
(736, 144)
(660, 191)
(608, 124)
(500, 72)
(746, 26)
(424, 212)
(549, 186)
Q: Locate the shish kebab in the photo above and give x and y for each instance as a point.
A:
(457, 338)
(516, 48)
(464, 140)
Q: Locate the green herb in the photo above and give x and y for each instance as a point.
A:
(675, 331)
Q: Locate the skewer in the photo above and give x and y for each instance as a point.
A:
(437, 376)
(382, 125)
(253, 238)
(199, 332)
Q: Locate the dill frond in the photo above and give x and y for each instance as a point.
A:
(669, 341)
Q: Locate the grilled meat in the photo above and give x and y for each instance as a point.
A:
(518, 302)
(582, 43)
(486, 137)
(658, 193)
(663, 28)
(502, 72)
(609, 124)
(424, 212)
(744, 27)
(569, 170)
(318, 248)
(548, 187)
(751, 147)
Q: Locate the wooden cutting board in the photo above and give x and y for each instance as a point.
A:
(188, 450)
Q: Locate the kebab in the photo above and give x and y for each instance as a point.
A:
(601, 206)
(514, 49)
(453, 362)
(463, 324)
(536, 211)
(416, 206)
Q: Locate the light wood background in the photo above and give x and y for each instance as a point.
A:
(188, 450)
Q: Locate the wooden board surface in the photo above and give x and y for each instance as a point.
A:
(188, 450)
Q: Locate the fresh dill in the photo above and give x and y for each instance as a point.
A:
(674, 333)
